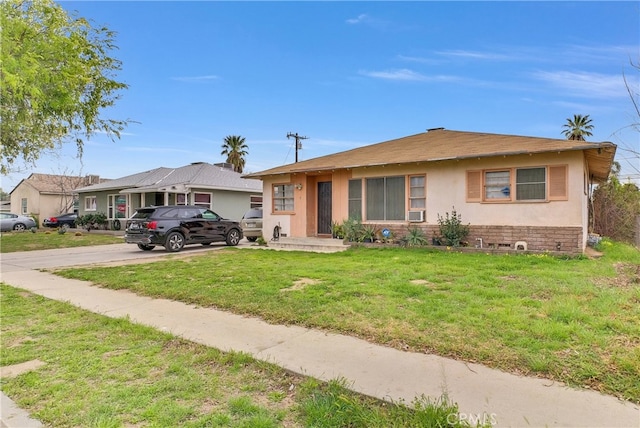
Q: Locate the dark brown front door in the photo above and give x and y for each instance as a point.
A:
(324, 208)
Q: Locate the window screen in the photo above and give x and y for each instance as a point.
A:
(530, 184)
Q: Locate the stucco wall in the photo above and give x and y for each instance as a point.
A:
(446, 188)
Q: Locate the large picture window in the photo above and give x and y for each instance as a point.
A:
(385, 198)
(283, 197)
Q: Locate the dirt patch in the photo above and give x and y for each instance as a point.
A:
(17, 369)
(301, 284)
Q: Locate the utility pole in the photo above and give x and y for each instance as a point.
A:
(298, 143)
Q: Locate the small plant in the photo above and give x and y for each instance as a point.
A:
(337, 230)
(352, 229)
(368, 233)
(33, 229)
(261, 241)
(415, 237)
(62, 231)
(452, 231)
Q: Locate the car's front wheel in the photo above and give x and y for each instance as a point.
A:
(144, 247)
(174, 242)
(19, 227)
(233, 237)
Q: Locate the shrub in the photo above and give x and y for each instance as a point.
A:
(452, 231)
(352, 230)
(337, 230)
(415, 237)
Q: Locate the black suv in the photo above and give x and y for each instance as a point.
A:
(174, 226)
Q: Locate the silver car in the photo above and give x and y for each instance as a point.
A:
(252, 224)
(10, 221)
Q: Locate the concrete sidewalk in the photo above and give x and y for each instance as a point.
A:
(480, 392)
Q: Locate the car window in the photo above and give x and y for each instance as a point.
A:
(188, 213)
(253, 214)
(210, 215)
(170, 213)
(143, 214)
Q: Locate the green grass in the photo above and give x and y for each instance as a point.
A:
(49, 239)
(104, 372)
(570, 319)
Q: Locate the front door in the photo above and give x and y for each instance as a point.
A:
(324, 208)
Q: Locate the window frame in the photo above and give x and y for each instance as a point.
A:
(24, 206)
(386, 198)
(282, 199)
(91, 203)
(556, 184)
(417, 198)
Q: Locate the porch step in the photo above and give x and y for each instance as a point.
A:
(318, 245)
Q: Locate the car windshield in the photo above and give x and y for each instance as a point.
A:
(253, 214)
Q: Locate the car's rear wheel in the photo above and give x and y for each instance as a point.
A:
(233, 237)
(174, 242)
(19, 227)
(144, 247)
(252, 238)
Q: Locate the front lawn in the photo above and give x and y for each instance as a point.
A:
(102, 372)
(574, 320)
(11, 242)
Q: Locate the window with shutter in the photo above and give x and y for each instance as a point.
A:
(558, 183)
(474, 186)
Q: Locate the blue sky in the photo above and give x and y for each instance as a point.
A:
(348, 74)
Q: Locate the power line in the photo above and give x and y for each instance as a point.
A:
(298, 143)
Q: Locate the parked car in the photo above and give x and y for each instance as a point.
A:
(174, 226)
(68, 220)
(9, 221)
(252, 224)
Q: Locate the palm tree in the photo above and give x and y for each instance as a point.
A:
(578, 128)
(235, 149)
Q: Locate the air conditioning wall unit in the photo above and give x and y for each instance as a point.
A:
(415, 216)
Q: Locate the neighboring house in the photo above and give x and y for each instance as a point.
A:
(216, 187)
(528, 191)
(48, 195)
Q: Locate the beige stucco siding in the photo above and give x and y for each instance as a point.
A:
(446, 189)
(271, 219)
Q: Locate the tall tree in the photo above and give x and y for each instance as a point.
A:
(235, 149)
(57, 78)
(615, 208)
(578, 128)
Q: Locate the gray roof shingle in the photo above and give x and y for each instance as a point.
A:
(199, 175)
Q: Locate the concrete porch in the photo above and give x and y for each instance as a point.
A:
(318, 245)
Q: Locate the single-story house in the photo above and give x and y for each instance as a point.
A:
(48, 195)
(528, 191)
(217, 187)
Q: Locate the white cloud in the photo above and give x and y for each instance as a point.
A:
(408, 75)
(475, 55)
(359, 20)
(584, 84)
(196, 78)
